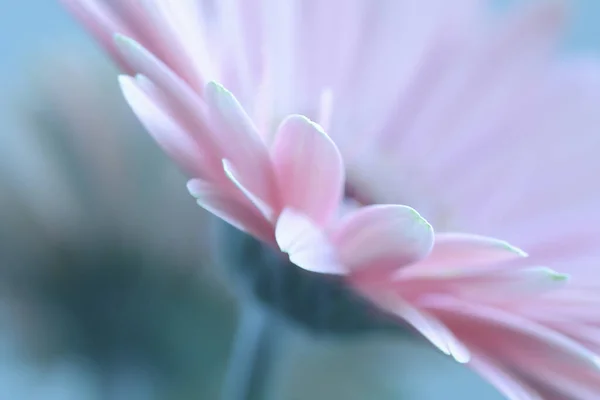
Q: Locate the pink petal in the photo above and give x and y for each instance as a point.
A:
(494, 328)
(227, 207)
(179, 99)
(309, 169)
(174, 32)
(548, 358)
(572, 383)
(238, 123)
(500, 286)
(241, 144)
(103, 23)
(306, 244)
(241, 24)
(234, 176)
(434, 331)
(455, 253)
(428, 325)
(512, 387)
(220, 125)
(143, 61)
(186, 104)
(383, 237)
(163, 128)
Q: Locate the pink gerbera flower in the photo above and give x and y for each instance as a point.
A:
(252, 185)
(442, 139)
(373, 80)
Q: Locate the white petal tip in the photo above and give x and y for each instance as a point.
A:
(462, 357)
(419, 219)
(298, 118)
(548, 273)
(227, 167)
(262, 206)
(213, 87)
(509, 247)
(124, 79)
(121, 39)
(192, 188)
(557, 276)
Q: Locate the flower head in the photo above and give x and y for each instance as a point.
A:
(287, 191)
(503, 112)
(400, 130)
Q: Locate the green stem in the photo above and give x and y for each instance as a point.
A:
(251, 355)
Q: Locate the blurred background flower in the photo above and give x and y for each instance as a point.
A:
(102, 260)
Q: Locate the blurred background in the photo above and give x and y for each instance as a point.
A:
(108, 289)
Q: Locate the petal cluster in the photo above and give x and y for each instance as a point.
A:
(518, 326)
(286, 191)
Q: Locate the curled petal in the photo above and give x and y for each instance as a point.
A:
(455, 254)
(240, 143)
(238, 180)
(309, 169)
(306, 244)
(239, 125)
(229, 208)
(382, 237)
